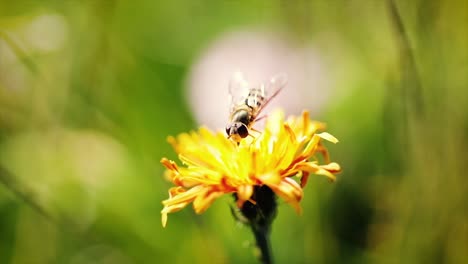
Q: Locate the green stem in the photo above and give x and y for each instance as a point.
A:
(410, 74)
(259, 213)
(23, 193)
(262, 237)
(19, 52)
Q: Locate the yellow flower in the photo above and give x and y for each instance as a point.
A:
(215, 165)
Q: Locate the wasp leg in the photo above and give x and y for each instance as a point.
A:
(253, 137)
(255, 130)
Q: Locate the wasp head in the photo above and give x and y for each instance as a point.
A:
(237, 131)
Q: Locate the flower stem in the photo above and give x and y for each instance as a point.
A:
(262, 237)
(259, 214)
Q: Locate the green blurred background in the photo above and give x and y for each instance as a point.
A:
(84, 118)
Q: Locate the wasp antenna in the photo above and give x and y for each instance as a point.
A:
(260, 118)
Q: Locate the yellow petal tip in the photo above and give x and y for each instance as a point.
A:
(328, 137)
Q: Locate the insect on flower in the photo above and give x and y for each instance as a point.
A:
(247, 102)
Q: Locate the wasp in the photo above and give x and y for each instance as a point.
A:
(247, 102)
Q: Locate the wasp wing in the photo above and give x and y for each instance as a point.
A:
(238, 90)
(272, 88)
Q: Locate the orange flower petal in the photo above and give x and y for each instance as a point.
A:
(205, 199)
(244, 192)
(270, 179)
(169, 164)
(316, 169)
(290, 191)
